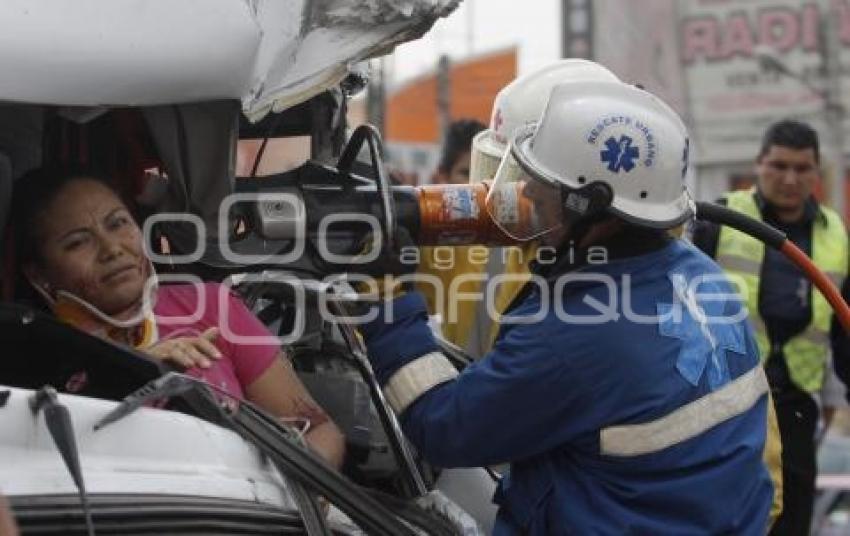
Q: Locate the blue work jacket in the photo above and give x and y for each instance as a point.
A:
(627, 397)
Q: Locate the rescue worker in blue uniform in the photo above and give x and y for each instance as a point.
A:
(624, 387)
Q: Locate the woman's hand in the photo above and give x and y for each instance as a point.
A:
(188, 352)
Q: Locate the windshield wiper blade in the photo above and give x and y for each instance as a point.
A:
(282, 446)
(166, 386)
(196, 392)
(297, 463)
(61, 428)
(276, 442)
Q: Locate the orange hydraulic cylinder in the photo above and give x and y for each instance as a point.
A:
(456, 215)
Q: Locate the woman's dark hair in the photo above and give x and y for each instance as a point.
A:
(32, 193)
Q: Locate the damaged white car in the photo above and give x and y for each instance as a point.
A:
(161, 93)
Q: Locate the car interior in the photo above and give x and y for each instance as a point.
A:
(181, 159)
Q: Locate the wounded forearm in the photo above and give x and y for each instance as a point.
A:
(327, 440)
(322, 435)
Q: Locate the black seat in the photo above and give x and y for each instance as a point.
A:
(37, 350)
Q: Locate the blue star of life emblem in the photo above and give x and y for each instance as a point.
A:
(705, 336)
(619, 154)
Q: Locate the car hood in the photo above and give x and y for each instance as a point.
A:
(149, 452)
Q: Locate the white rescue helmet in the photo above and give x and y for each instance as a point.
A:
(599, 146)
(521, 102)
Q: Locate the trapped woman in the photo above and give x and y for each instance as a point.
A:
(80, 248)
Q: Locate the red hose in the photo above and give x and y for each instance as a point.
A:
(819, 279)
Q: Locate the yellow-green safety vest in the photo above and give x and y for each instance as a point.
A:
(741, 257)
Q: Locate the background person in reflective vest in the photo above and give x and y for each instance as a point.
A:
(793, 323)
(447, 262)
(647, 416)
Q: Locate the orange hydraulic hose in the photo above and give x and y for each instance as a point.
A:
(777, 239)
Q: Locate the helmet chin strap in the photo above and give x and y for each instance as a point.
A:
(587, 202)
(583, 207)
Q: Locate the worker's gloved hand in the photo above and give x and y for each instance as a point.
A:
(381, 288)
(402, 258)
(379, 274)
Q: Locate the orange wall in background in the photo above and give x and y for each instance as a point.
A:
(411, 113)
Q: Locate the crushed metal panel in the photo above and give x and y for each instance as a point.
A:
(334, 35)
(266, 53)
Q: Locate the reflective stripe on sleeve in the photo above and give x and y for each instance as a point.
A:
(416, 378)
(688, 421)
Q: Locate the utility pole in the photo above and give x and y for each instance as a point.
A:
(577, 29)
(833, 107)
(376, 96)
(470, 27)
(443, 96)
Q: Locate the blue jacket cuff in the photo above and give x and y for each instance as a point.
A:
(398, 335)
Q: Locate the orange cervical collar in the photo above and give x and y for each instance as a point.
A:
(73, 313)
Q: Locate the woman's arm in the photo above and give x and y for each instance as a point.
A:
(279, 391)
